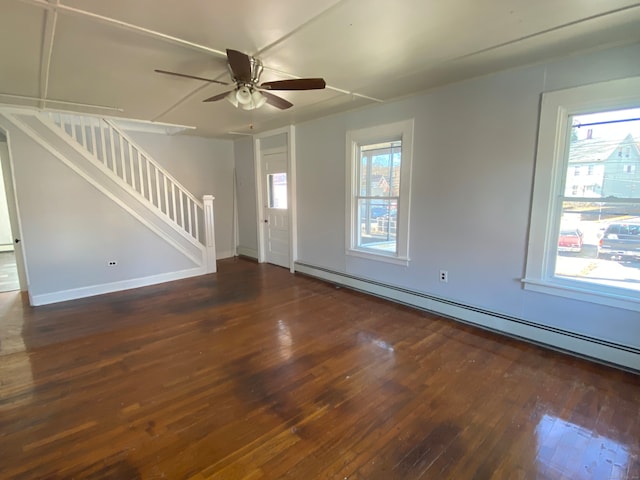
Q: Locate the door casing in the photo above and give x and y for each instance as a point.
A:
(258, 150)
(14, 211)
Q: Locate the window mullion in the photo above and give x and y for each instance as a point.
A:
(373, 197)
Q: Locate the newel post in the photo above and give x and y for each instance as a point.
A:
(210, 234)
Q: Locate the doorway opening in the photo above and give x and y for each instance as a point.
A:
(9, 278)
(276, 194)
(275, 209)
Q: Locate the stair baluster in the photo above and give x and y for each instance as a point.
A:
(112, 148)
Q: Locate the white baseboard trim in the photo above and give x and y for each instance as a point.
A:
(595, 349)
(82, 292)
(247, 252)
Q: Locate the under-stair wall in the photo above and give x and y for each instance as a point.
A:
(76, 219)
(203, 165)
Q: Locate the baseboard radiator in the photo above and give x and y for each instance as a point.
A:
(598, 350)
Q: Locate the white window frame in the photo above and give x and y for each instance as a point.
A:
(403, 131)
(550, 170)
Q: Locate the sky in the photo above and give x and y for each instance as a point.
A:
(610, 131)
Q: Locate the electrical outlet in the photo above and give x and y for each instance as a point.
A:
(444, 276)
(112, 263)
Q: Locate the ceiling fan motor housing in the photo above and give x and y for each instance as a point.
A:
(256, 71)
(248, 94)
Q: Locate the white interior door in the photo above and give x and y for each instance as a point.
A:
(10, 205)
(275, 211)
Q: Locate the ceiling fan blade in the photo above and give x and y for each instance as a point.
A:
(215, 98)
(296, 84)
(240, 64)
(276, 101)
(191, 76)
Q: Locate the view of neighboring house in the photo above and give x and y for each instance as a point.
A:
(599, 168)
(379, 185)
(622, 170)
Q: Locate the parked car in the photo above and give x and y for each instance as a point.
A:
(621, 240)
(378, 211)
(570, 240)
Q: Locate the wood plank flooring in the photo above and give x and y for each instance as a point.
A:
(8, 272)
(254, 373)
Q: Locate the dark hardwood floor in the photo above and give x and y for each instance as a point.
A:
(254, 373)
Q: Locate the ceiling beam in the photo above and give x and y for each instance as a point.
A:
(40, 101)
(54, 6)
(48, 34)
(127, 26)
(549, 30)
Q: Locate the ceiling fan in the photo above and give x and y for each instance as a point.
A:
(248, 94)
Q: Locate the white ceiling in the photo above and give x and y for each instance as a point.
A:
(98, 56)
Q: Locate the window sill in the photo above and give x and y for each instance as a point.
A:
(584, 291)
(381, 257)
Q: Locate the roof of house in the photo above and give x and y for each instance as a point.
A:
(594, 150)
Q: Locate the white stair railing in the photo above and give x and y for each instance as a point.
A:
(116, 152)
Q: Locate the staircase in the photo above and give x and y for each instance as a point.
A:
(113, 163)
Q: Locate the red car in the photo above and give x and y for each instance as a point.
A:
(570, 240)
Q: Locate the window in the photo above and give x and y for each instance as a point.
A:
(377, 199)
(277, 190)
(629, 169)
(598, 263)
(590, 169)
(379, 169)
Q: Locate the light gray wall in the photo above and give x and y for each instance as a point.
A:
(205, 167)
(474, 155)
(246, 187)
(70, 230)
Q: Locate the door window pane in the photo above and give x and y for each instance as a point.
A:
(277, 189)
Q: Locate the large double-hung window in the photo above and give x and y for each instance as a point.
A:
(379, 168)
(585, 227)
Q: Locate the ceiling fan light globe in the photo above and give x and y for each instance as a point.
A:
(258, 99)
(243, 95)
(231, 98)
